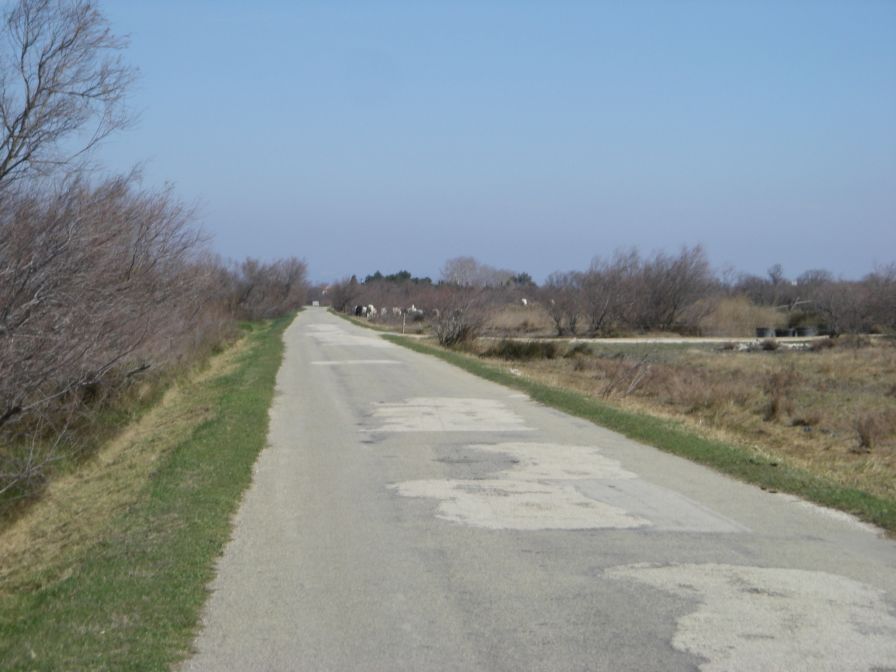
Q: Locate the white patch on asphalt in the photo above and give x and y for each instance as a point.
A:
(515, 505)
(553, 486)
(536, 494)
(446, 414)
(353, 362)
(757, 619)
(330, 334)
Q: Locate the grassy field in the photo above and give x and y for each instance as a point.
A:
(819, 424)
(108, 571)
(390, 325)
(830, 410)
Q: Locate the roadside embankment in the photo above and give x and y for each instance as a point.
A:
(109, 570)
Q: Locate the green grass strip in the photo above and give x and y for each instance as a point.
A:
(674, 438)
(132, 601)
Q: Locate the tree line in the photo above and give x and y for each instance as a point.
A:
(628, 292)
(103, 282)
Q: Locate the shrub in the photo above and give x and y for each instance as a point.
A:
(625, 376)
(576, 350)
(738, 316)
(778, 387)
(822, 344)
(853, 341)
(267, 290)
(580, 364)
(806, 420)
(867, 429)
(873, 428)
(522, 350)
(453, 329)
(694, 390)
(461, 314)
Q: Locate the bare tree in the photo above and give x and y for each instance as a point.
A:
(85, 276)
(267, 290)
(561, 295)
(344, 293)
(460, 314)
(670, 284)
(96, 284)
(468, 272)
(100, 280)
(62, 86)
(609, 290)
(460, 271)
(881, 306)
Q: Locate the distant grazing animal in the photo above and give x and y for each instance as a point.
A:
(524, 302)
(371, 311)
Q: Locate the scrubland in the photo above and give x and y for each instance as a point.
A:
(828, 407)
(108, 569)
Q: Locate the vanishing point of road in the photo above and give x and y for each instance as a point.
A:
(409, 516)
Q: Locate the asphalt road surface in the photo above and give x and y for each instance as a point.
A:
(410, 516)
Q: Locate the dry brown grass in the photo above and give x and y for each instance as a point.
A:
(875, 427)
(519, 320)
(387, 326)
(738, 316)
(77, 507)
(828, 411)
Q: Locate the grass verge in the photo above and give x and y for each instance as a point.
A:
(411, 328)
(109, 570)
(672, 437)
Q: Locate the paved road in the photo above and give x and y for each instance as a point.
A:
(409, 516)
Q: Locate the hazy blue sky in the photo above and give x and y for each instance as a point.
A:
(532, 135)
